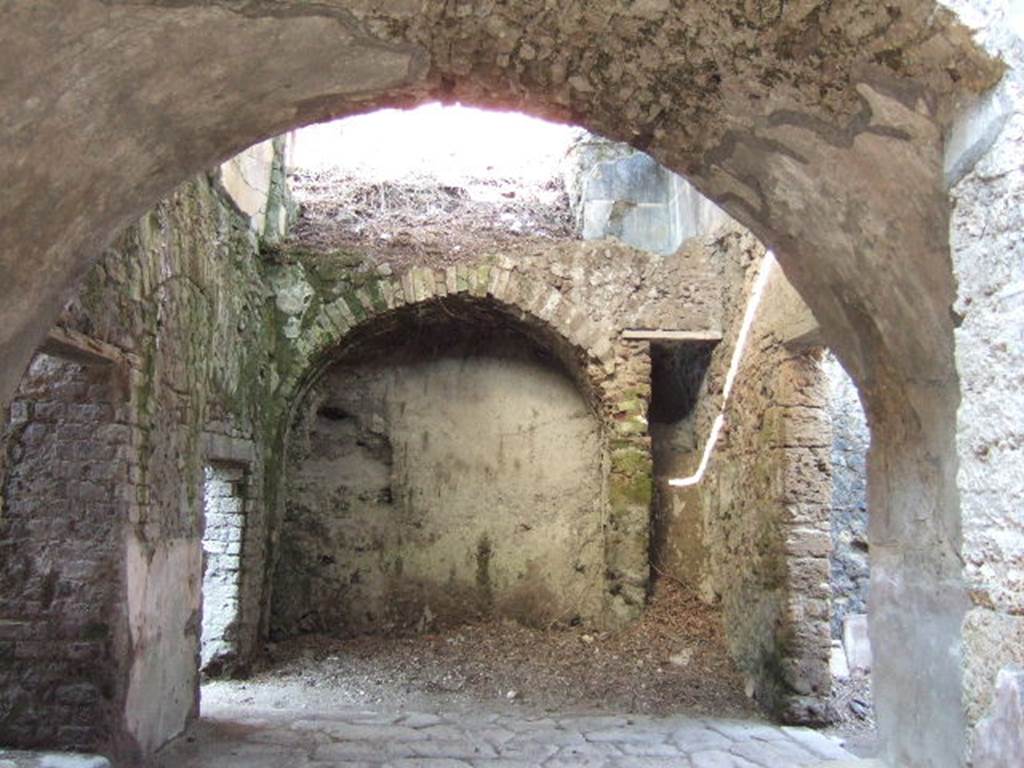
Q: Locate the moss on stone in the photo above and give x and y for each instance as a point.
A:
(626, 490)
(377, 299)
(633, 425)
(357, 308)
(635, 406)
(631, 459)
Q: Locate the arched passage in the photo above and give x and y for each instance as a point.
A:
(813, 146)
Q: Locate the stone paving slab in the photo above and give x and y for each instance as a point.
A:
(275, 739)
(12, 759)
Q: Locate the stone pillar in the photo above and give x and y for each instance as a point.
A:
(630, 481)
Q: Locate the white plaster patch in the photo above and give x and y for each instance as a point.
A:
(1001, 734)
(73, 761)
(246, 179)
(163, 597)
(973, 134)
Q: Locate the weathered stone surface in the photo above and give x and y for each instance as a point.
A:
(768, 567)
(1000, 736)
(838, 666)
(60, 553)
(246, 179)
(982, 160)
(849, 514)
(559, 291)
(450, 477)
(181, 298)
(491, 740)
(856, 642)
(225, 497)
(617, 192)
(792, 138)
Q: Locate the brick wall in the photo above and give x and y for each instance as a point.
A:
(224, 490)
(850, 440)
(103, 484)
(60, 555)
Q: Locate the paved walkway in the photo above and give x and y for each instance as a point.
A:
(275, 739)
(12, 759)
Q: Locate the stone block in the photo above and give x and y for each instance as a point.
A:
(222, 547)
(808, 542)
(462, 278)
(837, 663)
(795, 426)
(808, 575)
(549, 308)
(398, 291)
(819, 744)
(771, 754)
(20, 412)
(367, 301)
(408, 288)
(513, 289)
(387, 292)
(1000, 736)
(974, 132)
(340, 315)
(812, 515)
(715, 758)
(422, 283)
(479, 280)
(440, 283)
(856, 642)
(807, 675)
(359, 312)
(499, 282)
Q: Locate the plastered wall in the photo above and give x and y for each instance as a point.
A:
(431, 486)
(983, 151)
(574, 299)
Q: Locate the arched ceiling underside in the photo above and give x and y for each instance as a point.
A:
(816, 124)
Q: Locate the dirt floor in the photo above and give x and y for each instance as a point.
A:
(852, 712)
(672, 661)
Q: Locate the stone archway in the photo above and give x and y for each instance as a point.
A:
(446, 466)
(610, 373)
(813, 126)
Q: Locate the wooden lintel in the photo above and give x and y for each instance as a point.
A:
(646, 334)
(79, 348)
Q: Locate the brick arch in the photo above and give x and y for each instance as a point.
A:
(585, 349)
(723, 95)
(611, 374)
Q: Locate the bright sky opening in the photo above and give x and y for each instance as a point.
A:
(449, 143)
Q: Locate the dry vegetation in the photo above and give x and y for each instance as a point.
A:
(417, 220)
(673, 660)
